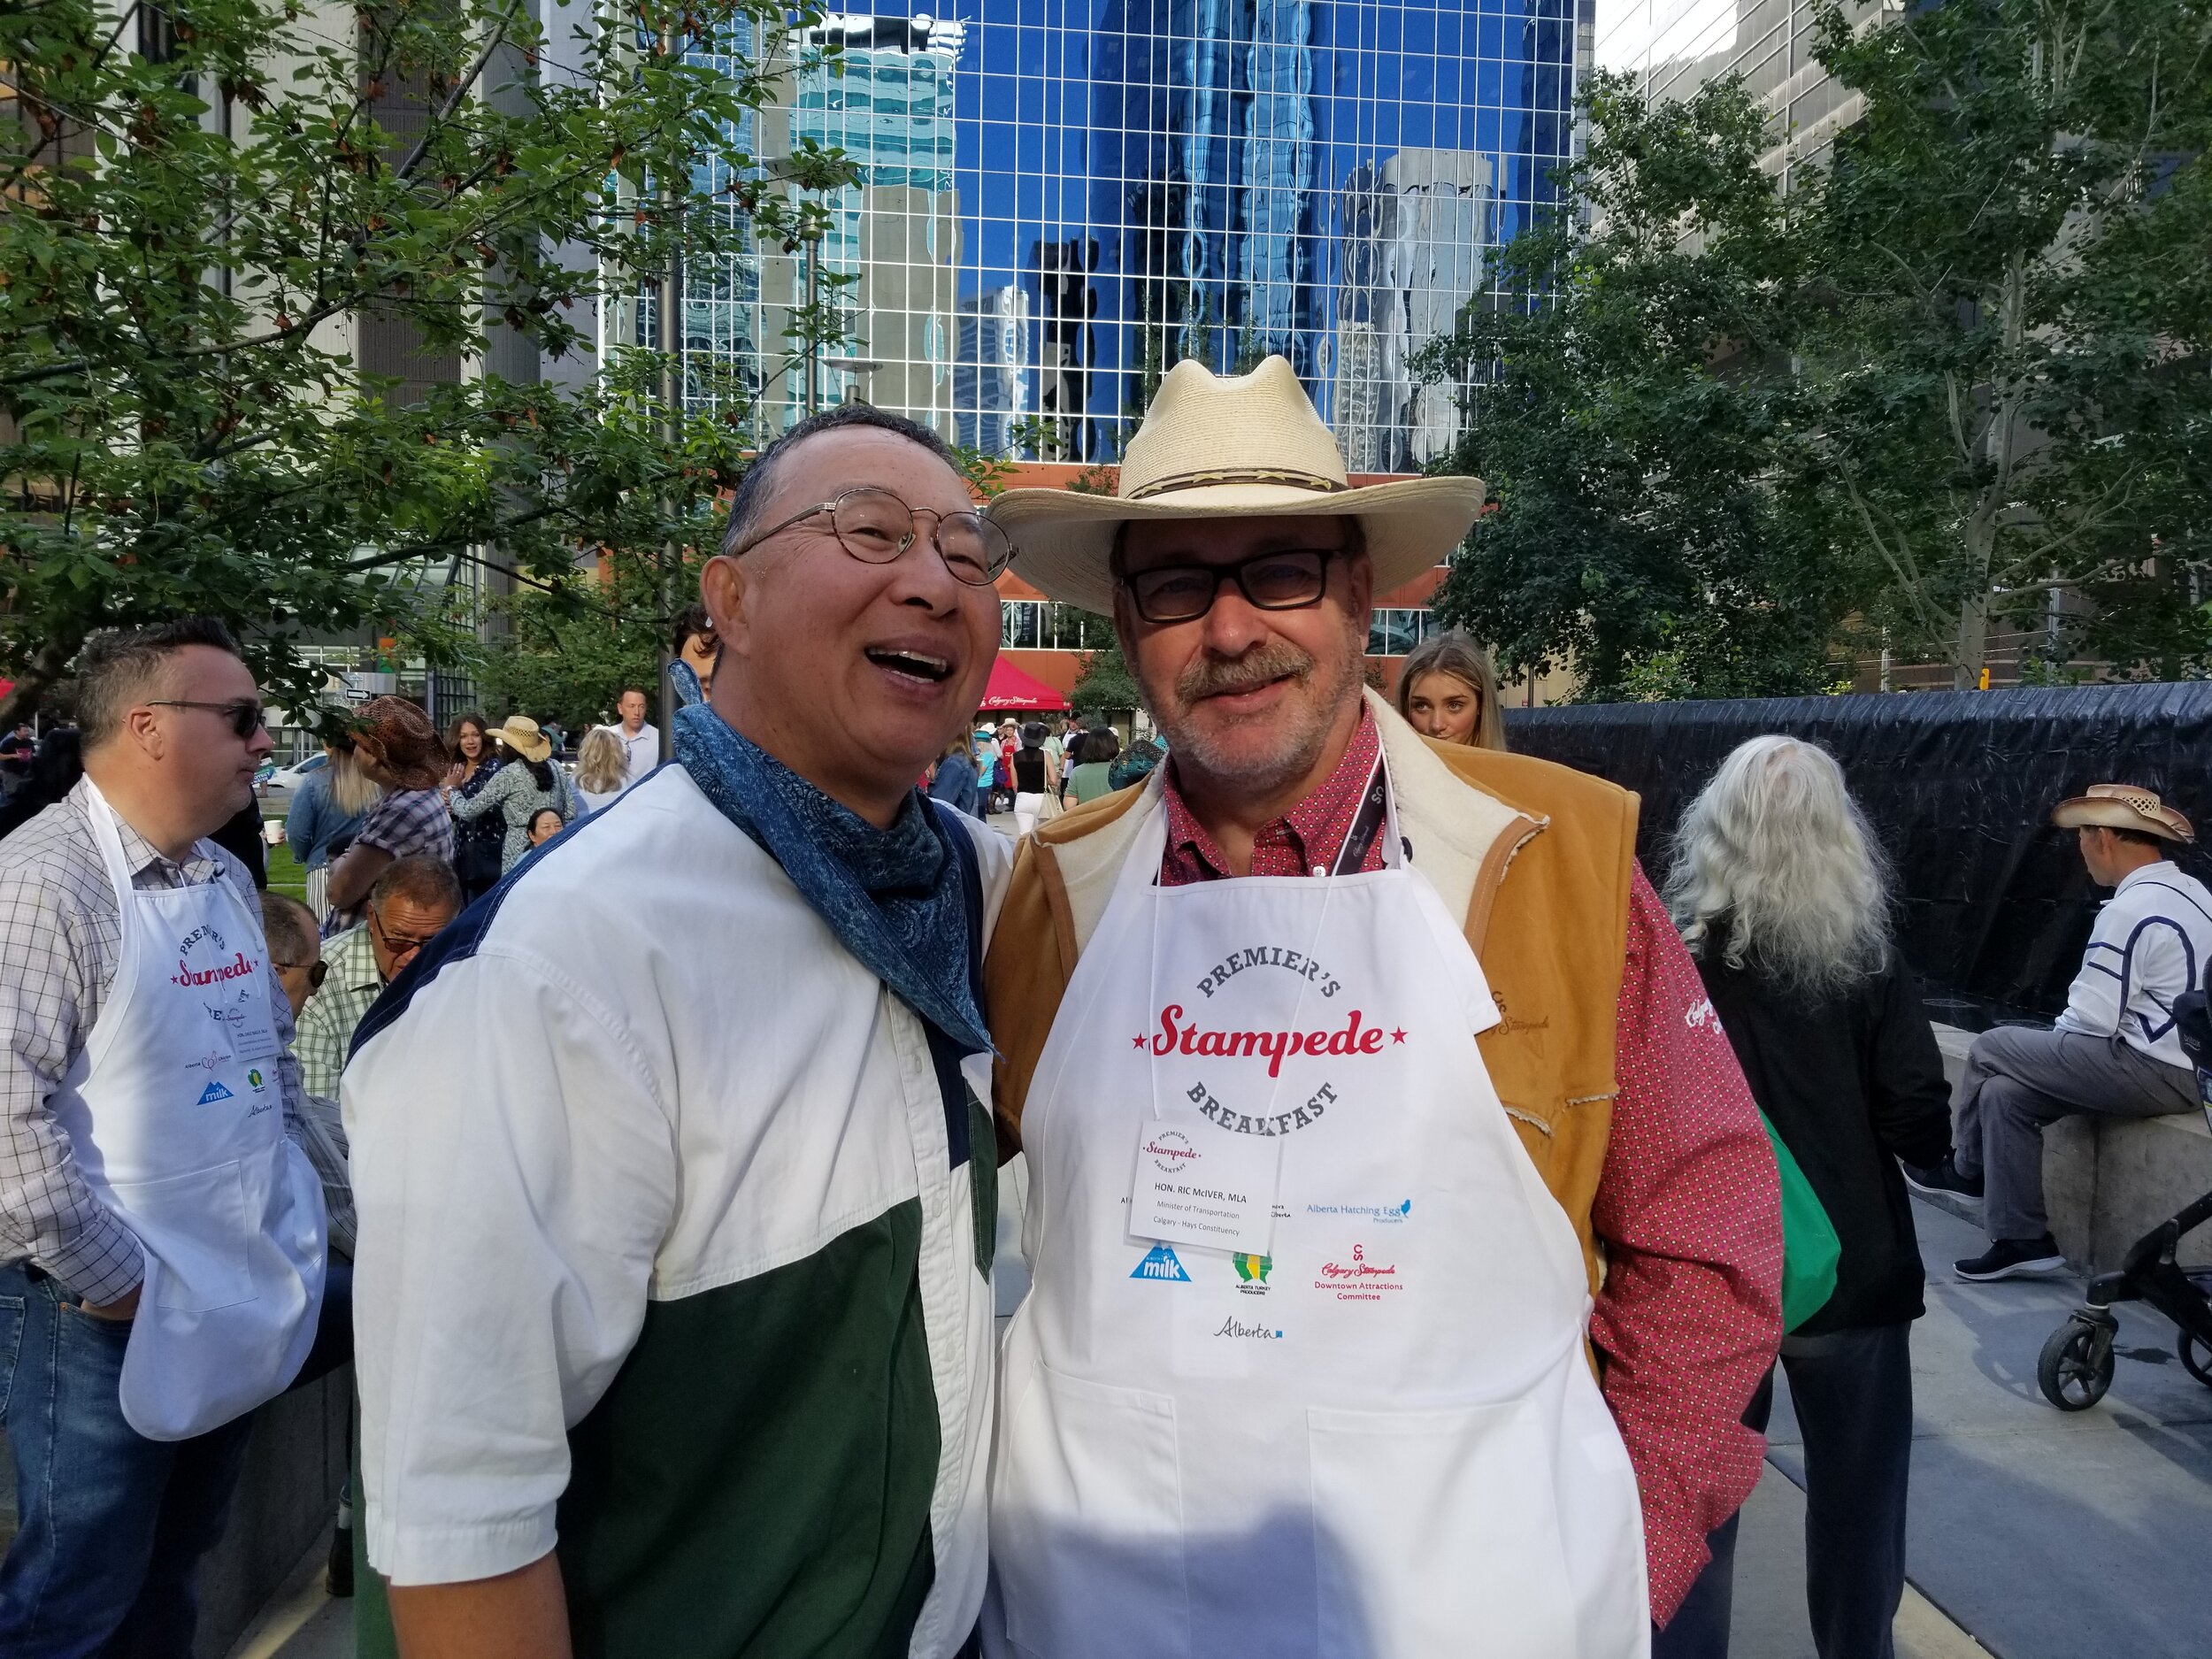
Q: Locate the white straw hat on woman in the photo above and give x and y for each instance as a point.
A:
(1237, 446)
(521, 735)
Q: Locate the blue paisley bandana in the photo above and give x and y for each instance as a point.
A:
(892, 897)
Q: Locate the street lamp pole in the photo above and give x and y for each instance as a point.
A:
(813, 234)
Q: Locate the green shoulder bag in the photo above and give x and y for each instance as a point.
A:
(1810, 1248)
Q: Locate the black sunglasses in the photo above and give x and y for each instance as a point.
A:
(245, 716)
(1289, 578)
(317, 973)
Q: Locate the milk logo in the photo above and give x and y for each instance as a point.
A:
(1162, 1264)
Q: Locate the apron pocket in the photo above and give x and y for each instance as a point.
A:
(1437, 1532)
(1087, 1523)
(194, 1229)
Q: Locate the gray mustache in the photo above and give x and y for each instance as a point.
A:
(1217, 676)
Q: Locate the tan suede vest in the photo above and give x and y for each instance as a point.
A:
(1547, 919)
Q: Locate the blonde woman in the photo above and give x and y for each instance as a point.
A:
(1782, 894)
(1449, 691)
(602, 769)
(325, 815)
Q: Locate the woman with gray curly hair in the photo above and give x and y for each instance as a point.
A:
(1781, 892)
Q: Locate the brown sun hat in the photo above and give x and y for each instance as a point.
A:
(397, 737)
(1230, 446)
(2123, 806)
(521, 735)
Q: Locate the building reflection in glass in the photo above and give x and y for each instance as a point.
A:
(1062, 198)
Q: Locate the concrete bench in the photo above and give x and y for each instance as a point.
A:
(2108, 1180)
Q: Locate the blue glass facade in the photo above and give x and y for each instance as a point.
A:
(1222, 179)
(1061, 198)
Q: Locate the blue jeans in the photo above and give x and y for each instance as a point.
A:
(112, 1527)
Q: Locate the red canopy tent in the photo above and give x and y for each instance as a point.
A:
(1010, 689)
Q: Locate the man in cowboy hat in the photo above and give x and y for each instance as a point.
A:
(2113, 1052)
(1338, 1057)
(398, 748)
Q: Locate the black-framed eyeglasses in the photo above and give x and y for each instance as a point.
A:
(875, 526)
(1289, 578)
(316, 972)
(245, 716)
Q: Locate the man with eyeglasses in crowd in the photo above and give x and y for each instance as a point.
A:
(165, 1234)
(410, 904)
(1338, 1057)
(695, 1095)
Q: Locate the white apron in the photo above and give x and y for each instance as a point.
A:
(176, 1116)
(1377, 1439)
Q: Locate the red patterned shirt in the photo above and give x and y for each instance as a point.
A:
(1691, 1311)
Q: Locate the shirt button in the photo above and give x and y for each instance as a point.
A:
(1319, 870)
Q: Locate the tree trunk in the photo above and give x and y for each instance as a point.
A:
(37, 677)
(1973, 647)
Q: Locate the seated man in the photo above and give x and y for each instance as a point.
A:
(2115, 1050)
(409, 906)
(296, 962)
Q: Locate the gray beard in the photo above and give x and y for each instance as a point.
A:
(1302, 739)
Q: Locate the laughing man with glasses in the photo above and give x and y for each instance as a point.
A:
(696, 1094)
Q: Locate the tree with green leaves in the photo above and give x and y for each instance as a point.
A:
(1736, 435)
(1626, 423)
(2009, 369)
(209, 206)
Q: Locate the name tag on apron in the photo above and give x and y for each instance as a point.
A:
(1196, 1185)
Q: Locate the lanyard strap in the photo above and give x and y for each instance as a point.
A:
(1373, 809)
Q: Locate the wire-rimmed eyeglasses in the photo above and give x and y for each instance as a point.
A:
(875, 526)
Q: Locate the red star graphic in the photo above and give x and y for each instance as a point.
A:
(1137, 1042)
(1398, 1036)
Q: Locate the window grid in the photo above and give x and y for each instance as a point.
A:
(1060, 200)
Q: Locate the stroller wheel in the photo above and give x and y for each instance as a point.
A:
(2196, 1357)
(2076, 1367)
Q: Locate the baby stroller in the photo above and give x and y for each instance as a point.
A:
(2076, 1368)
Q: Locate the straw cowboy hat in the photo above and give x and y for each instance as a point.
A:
(395, 736)
(2123, 806)
(1237, 446)
(521, 735)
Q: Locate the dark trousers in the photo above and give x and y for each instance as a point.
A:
(112, 1526)
(1853, 1391)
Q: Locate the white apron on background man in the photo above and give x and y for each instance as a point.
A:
(175, 1113)
(1371, 1432)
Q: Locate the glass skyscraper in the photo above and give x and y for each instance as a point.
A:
(1674, 48)
(1062, 198)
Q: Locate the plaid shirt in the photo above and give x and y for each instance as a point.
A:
(349, 989)
(1689, 1314)
(60, 936)
(404, 823)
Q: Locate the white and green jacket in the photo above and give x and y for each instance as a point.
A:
(673, 1248)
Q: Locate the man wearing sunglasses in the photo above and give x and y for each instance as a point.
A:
(694, 1096)
(1338, 1057)
(162, 1230)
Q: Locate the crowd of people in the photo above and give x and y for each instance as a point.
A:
(1420, 1200)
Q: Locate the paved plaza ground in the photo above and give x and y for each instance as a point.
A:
(2034, 1534)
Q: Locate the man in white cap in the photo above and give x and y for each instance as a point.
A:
(1338, 1056)
(2114, 1051)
